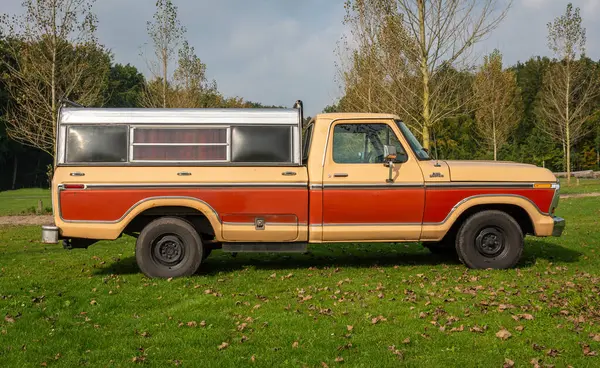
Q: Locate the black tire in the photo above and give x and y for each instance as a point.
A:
(169, 247)
(443, 247)
(207, 252)
(490, 239)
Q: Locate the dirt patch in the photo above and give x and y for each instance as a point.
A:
(579, 195)
(26, 220)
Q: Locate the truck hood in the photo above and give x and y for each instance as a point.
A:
(498, 171)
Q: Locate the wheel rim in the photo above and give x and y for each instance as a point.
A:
(490, 242)
(168, 250)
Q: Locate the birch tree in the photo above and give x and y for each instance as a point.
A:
(51, 53)
(418, 41)
(166, 33)
(498, 106)
(570, 86)
(191, 84)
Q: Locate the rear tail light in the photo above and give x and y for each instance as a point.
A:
(74, 186)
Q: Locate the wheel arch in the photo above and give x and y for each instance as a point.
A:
(524, 211)
(199, 213)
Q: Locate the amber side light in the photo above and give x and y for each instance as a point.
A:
(542, 186)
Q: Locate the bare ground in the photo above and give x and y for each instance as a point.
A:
(26, 220)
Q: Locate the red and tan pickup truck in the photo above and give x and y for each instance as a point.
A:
(187, 181)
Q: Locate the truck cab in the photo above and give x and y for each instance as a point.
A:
(187, 181)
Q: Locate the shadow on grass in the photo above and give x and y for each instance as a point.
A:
(346, 255)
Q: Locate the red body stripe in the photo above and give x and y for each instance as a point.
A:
(316, 207)
(112, 204)
(330, 206)
(373, 206)
(439, 202)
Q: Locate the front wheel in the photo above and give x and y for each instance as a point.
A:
(490, 239)
(169, 247)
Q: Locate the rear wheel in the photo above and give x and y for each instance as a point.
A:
(490, 239)
(169, 247)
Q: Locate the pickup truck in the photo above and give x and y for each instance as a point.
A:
(184, 182)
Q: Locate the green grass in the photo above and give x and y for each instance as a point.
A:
(94, 308)
(24, 201)
(585, 186)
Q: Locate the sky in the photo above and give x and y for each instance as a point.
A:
(278, 51)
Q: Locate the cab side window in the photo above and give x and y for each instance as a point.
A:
(363, 143)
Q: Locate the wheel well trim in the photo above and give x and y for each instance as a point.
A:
(462, 206)
(159, 201)
(434, 231)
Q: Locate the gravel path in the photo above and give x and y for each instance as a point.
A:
(26, 220)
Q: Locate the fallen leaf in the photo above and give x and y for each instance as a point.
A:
(519, 328)
(203, 323)
(595, 337)
(378, 319)
(295, 345)
(93, 302)
(406, 341)
(8, 318)
(252, 358)
(508, 363)
(339, 359)
(224, 345)
(552, 353)
(192, 324)
(587, 351)
(503, 334)
(244, 339)
(350, 327)
(324, 365)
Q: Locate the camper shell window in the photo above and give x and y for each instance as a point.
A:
(97, 143)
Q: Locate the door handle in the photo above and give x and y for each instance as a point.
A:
(184, 173)
(77, 173)
(340, 175)
(288, 173)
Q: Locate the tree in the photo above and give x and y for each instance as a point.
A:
(192, 87)
(125, 86)
(497, 102)
(51, 54)
(570, 86)
(416, 41)
(166, 33)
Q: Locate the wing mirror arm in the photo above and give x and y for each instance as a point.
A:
(389, 152)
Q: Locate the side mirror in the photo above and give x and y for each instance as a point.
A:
(389, 153)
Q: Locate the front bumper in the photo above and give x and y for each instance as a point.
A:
(559, 226)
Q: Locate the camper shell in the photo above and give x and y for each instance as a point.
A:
(167, 137)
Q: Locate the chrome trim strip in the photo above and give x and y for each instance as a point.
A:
(373, 224)
(316, 186)
(479, 185)
(133, 207)
(196, 185)
(266, 223)
(373, 186)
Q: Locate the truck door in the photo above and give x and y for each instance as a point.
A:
(358, 203)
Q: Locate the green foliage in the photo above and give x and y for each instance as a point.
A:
(125, 86)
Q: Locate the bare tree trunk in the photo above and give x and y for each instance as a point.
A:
(567, 124)
(14, 178)
(425, 75)
(53, 82)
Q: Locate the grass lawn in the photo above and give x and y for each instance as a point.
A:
(24, 201)
(353, 305)
(585, 186)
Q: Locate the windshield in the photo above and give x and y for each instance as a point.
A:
(414, 143)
